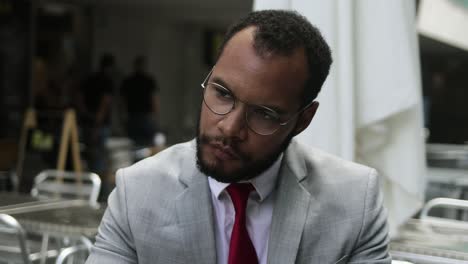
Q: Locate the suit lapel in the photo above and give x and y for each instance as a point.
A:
(292, 206)
(195, 216)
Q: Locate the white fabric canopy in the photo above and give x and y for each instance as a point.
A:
(371, 105)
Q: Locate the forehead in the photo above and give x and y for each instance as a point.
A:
(267, 79)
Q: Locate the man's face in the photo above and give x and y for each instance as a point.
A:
(227, 149)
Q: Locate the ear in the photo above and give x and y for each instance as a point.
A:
(306, 117)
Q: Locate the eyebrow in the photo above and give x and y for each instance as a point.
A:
(221, 82)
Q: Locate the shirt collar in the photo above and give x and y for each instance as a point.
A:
(263, 183)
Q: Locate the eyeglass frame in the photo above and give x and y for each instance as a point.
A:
(205, 82)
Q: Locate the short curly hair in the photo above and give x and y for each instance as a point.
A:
(282, 32)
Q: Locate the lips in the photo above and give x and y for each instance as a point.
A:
(224, 152)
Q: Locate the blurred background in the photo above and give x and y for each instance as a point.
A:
(95, 85)
(57, 55)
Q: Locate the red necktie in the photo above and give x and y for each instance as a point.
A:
(241, 249)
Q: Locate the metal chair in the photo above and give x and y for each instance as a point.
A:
(445, 203)
(65, 184)
(12, 241)
(75, 253)
(14, 247)
(70, 252)
(433, 239)
(68, 185)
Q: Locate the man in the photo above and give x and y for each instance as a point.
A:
(140, 93)
(245, 192)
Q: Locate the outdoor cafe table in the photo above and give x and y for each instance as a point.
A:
(73, 219)
(10, 200)
(57, 217)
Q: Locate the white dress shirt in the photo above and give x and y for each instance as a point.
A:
(259, 213)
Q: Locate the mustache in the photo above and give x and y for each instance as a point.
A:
(216, 139)
(223, 142)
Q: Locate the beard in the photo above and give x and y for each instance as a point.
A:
(249, 168)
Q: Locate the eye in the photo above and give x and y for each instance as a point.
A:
(222, 92)
(265, 114)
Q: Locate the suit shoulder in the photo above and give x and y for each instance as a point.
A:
(332, 168)
(335, 180)
(343, 187)
(162, 169)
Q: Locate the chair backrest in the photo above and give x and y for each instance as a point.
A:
(66, 184)
(79, 251)
(13, 246)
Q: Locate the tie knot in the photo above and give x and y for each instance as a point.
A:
(239, 193)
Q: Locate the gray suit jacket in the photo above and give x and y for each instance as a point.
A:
(327, 210)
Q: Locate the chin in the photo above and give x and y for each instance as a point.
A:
(212, 167)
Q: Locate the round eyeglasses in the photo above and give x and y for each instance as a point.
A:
(260, 119)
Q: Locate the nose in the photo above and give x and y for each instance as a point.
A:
(233, 124)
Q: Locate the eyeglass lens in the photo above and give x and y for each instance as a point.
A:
(221, 101)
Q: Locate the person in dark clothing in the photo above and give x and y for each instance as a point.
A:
(140, 94)
(97, 95)
(98, 89)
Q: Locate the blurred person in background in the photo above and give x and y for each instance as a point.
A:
(97, 102)
(140, 94)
